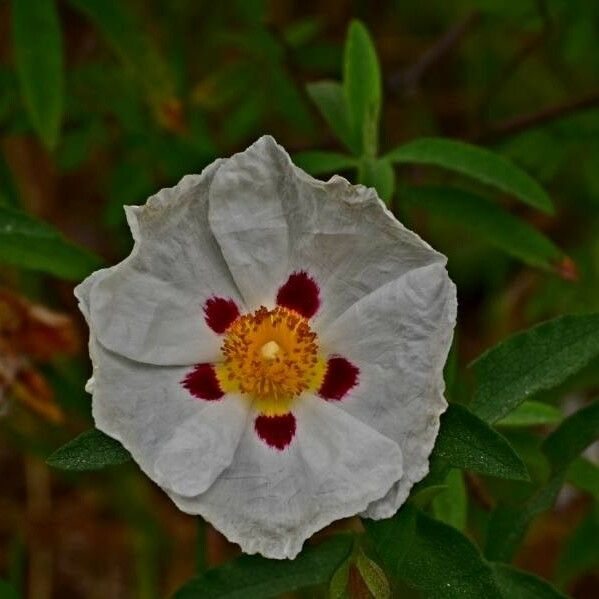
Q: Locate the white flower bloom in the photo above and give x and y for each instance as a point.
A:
(271, 352)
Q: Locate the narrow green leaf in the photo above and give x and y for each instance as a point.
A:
(538, 358)
(572, 436)
(29, 243)
(422, 497)
(442, 563)
(531, 413)
(392, 538)
(479, 163)
(516, 584)
(377, 173)
(373, 576)
(451, 505)
(91, 450)
(338, 585)
(37, 45)
(362, 86)
(487, 221)
(580, 553)
(508, 524)
(255, 577)
(584, 475)
(330, 100)
(465, 441)
(317, 163)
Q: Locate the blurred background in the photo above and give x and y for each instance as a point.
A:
(154, 90)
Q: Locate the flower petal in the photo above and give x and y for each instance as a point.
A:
(399, 337)
(271, 501)
(271, 219)
(180, 443)
(150, 307)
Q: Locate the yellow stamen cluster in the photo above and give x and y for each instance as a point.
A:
(271, 356)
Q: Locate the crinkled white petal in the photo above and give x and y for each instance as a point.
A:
(271, 501)
(399, 337)
(150, 306)
(181, 443)
(272, 219)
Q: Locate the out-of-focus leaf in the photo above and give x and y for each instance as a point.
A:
(129, 39)
(338, 584)
(479, 163)
(317, 163)
(7, 591)
(91, 450)
(442, 563)
(303, 31)
(535, 359)
(377, 173)
(584, 475)
(288, 101)
(581, 551)
(489, 222)
(373, 576)
(450, 506)
(531, 413)
(330, 100)
(362, 87)
(37, 45)
(516, 584)
(572, 436)
(28, 243)
(392, 538)
(508, 524)
(466, 441)
(255, 577)
(422, 497)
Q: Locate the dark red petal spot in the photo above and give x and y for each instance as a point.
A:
(220, 313)
(340, 377)
(276, 431)
(202, 383)
(300, 293)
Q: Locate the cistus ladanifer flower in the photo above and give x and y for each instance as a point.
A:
(271, 352)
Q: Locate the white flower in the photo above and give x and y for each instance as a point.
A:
(271, 352)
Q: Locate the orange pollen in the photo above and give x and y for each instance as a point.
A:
(270, 355)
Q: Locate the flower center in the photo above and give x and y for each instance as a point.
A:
(271, 356)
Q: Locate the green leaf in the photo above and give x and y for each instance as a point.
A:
(373, 576)
(508, 524)
(442, 563)
(538, 358)
(480, 164)
(572, 436)
(451, 505)
(91, 450)
(531, 413)
(378, 173)
(255, 577)
(37, 45)
(465, 441)
(516, 584)
(7, 591)
(317, 163)
(487, 221)
(338, 584)
(29, 243)
(422, 497)
(392, 538)
(584, 475)
(362, 87)
(127, 36)
(330, 100)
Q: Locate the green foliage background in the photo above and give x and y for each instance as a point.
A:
(477, 125)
